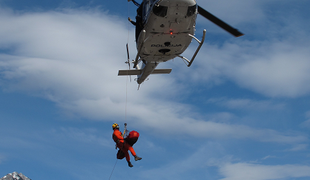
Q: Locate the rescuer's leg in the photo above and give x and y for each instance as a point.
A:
(129, 164)
(127, 157)
(137, 158)
(130, 148)
(124, 149)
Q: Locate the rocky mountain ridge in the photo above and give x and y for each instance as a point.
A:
(15, 176)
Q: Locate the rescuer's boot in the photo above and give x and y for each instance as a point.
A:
(129, 164)
(137, 158)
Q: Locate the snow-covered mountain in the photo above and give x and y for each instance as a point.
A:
(15, 176)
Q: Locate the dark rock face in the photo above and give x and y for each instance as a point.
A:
(15, 176)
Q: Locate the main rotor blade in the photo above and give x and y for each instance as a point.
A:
(219, 22)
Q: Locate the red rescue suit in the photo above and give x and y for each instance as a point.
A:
(122, 145)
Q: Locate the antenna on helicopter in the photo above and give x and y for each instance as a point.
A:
(128, 59)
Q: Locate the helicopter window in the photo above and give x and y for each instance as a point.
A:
(191, 10)
(160, 10)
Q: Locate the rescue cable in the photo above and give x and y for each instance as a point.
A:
(113, 169)
(125, 124)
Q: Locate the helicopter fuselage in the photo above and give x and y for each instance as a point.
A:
(164, 30)
(167, 25)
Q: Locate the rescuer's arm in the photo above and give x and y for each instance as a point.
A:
(118, 134)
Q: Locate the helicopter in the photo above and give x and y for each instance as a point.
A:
(164, 29)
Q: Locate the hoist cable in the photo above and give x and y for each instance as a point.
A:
(128, 29)
(113, 169)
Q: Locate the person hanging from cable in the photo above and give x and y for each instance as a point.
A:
(125, 144)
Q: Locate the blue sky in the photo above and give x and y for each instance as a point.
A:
(241, 111)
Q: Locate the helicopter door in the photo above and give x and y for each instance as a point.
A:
(147, 6)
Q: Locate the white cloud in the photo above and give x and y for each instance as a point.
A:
(210, 128)
(306, 124)
(84, 136)
(71, 58)
(275, 62)
(299, 147)
(235, 11)
(263, 172)
(268, 157)
(213, 154)
(186, 167)
(248, 104)
(285, 72)
(65, 57)
(272, 68)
